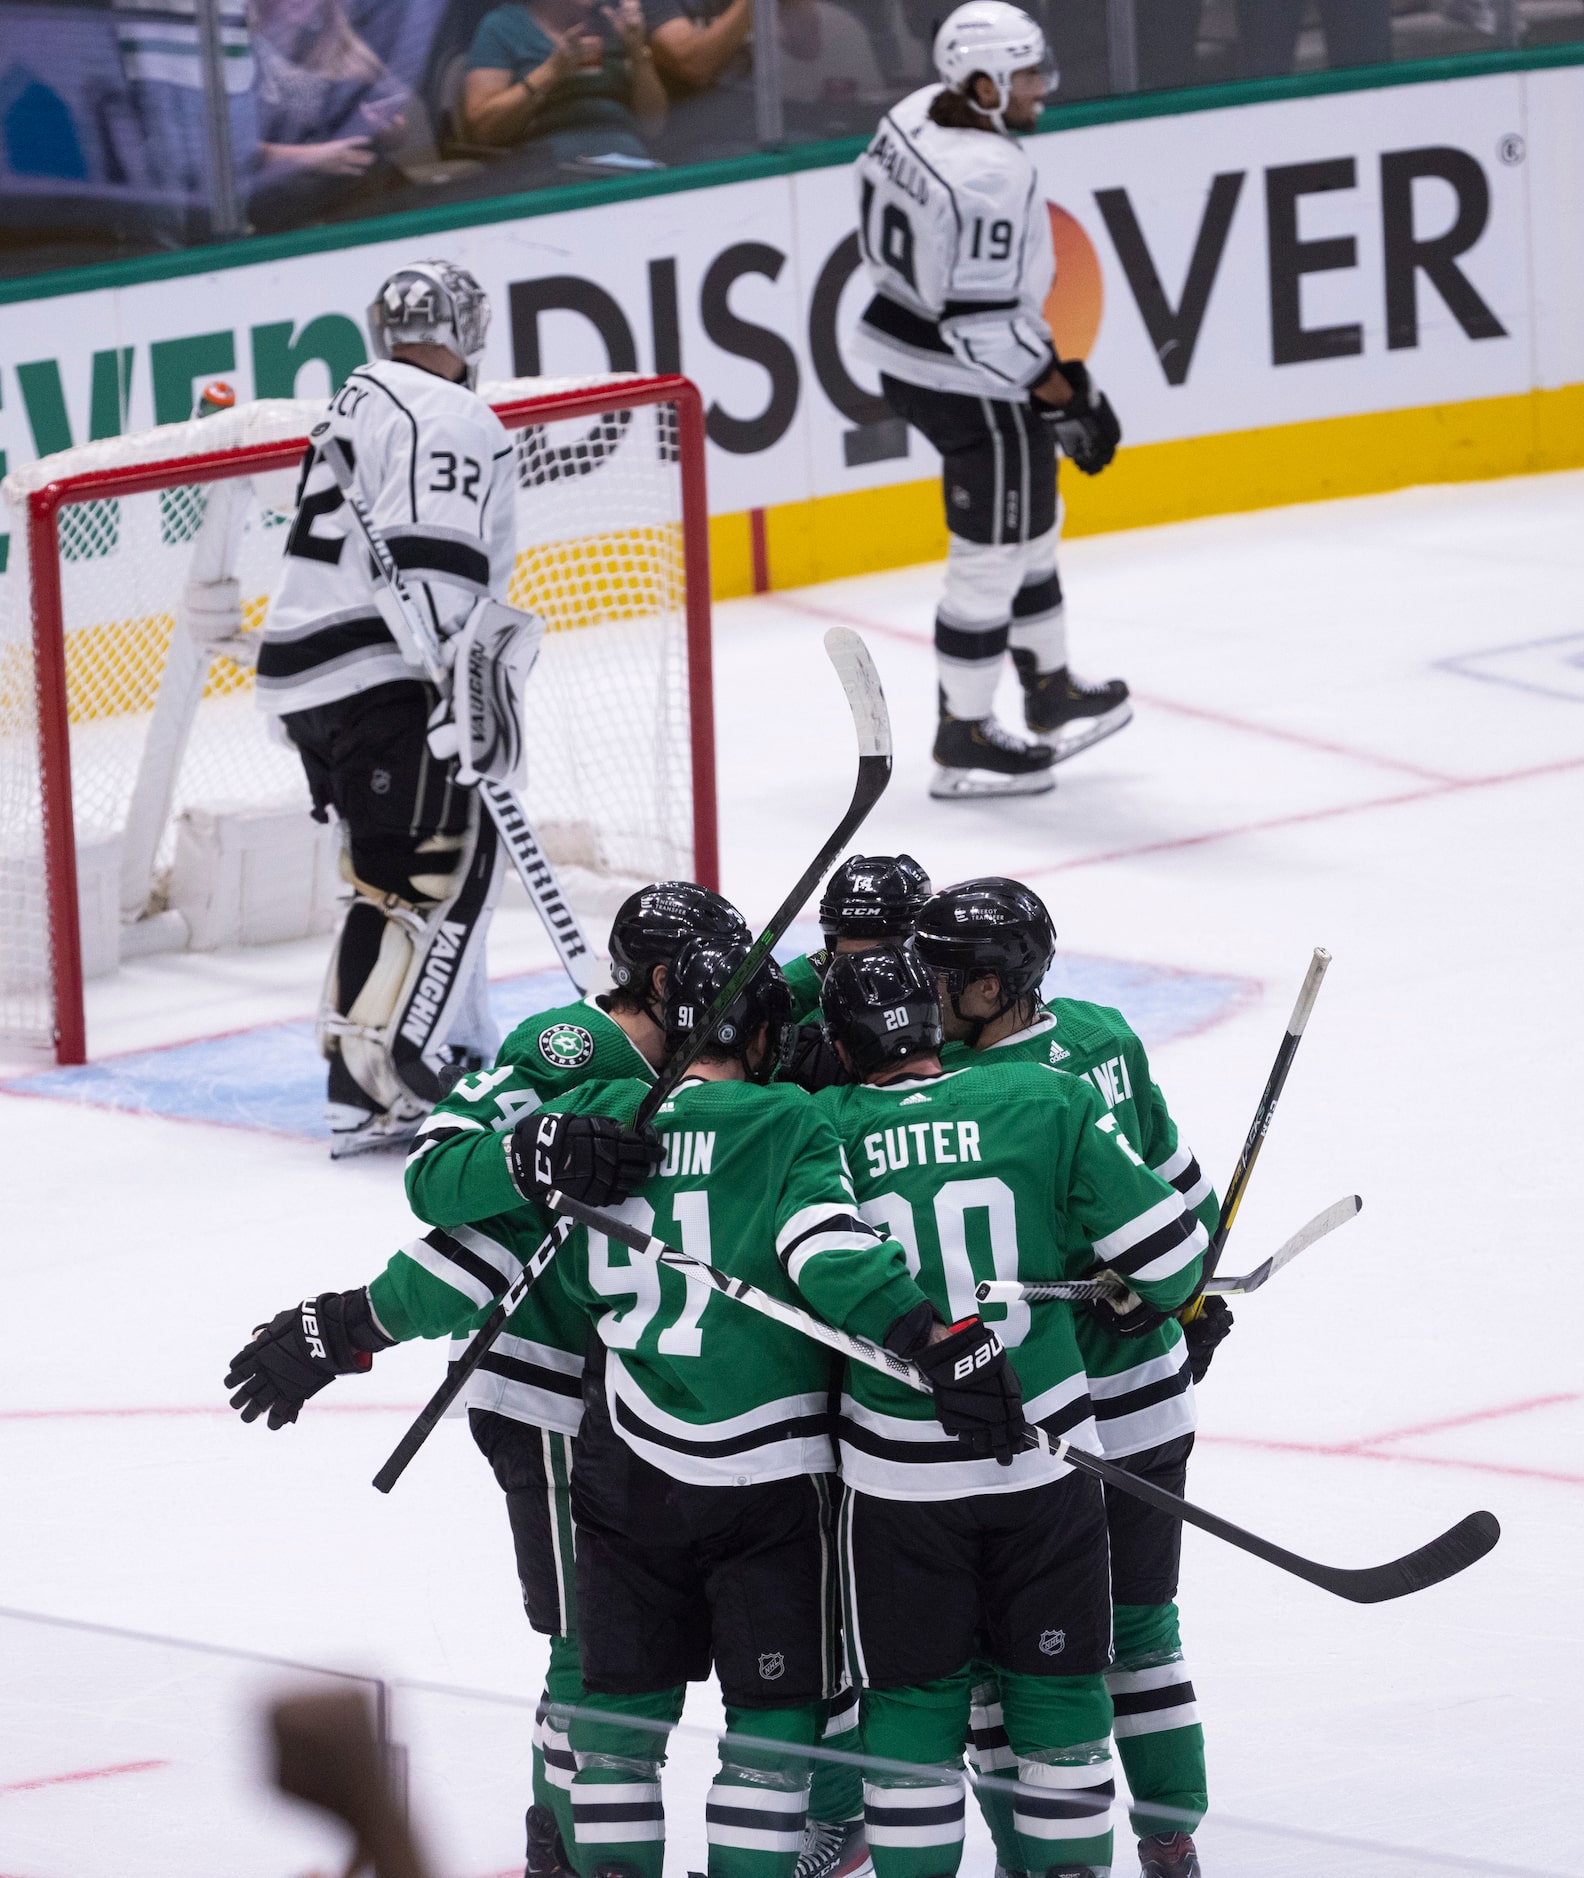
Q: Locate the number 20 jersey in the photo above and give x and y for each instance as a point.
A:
(434, 465)
(955, 235)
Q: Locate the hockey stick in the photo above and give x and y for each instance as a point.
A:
(872, 723)
(1454, 1551)
(1264, 1113)
(419, 646)
(1012, 1291)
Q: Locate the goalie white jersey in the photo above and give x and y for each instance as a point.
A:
(434, 465)
(956, 239)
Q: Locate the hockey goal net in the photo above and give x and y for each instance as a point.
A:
(145, 806)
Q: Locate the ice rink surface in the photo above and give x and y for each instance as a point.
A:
(1359, 724)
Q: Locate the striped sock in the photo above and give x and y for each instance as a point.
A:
(915, 1830)
(1158, 1735)
(754, 1823)
(1062, 1810)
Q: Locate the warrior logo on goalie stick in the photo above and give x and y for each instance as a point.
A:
(566, 1046)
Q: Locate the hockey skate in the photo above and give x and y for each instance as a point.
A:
(976, 757)
(1068, 714)
(546, 1854)
(834, 1849)
(1168, 1855)
(356, 1125)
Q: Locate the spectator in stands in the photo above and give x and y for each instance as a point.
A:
(331, 115)
(1357, 32)
(826, 58)
(577, 79)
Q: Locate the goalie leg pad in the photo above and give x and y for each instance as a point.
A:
(397, 1002)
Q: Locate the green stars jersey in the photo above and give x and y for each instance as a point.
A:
(753, 1181)
(444, 1281)
(1008, 1170)
(1142, 1392)
(805, 976)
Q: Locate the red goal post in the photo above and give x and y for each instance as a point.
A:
(615, 555)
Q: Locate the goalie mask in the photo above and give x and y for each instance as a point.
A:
(699, 973)
(881, 1006)
(997, 39)
(984, 926)
(873, 897)
(431, 303)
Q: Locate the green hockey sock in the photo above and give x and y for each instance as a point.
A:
(1157, 1726)
(991, 1756)
(616, 1812)
(1059, 1728)
(837, 1792)
(553, 1765)
(915, 1824)
(755, 1811)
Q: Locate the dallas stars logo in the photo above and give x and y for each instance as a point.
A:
(566, 1046)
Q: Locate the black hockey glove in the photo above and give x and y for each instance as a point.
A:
(1129, 1316)
(591, 1158)
(813, 1063)
(1087, 429)
(1203, 1331)
(978, 1396)
(296, 1353)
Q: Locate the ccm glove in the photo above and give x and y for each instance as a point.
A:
(1204, 1330)
(1087, 429)
(978, 1397)
(296, 1353)
(591, 1158)
(1127, 1316)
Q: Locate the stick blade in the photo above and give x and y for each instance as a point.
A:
(861, 682)
(1459, 1547)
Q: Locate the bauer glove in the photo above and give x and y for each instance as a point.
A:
(978, 1396)
(1203, 1331)
(591, 1158)
(1126, 1316)
(1087, 429)
(296, 1353)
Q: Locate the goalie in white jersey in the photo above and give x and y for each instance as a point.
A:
(956, 239)
(405, 1000)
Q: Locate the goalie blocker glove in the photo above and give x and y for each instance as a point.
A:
(589, 1158)
(302, 1349)
(1086, 427)
(978, 1397)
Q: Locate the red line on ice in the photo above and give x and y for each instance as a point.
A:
(85, 1773)
(1464, 1421)
(1348, 1453)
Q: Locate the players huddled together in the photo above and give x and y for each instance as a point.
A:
(868, 1570)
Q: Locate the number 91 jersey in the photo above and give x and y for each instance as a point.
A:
(434, 465)
(956, 239)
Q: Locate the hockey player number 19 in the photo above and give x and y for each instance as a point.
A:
(639, 1278)
(1000, 240)
(954, 1201)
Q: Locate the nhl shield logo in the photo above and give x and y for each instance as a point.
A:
(1052, 1642)
(566, 1046)
(772, 1666)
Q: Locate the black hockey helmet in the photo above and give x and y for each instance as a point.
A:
(651, 924)
(699, 971)
(881, 1006)
(873, 896)
(987, 925)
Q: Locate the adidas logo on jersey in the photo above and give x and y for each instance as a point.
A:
(912, 1098)
(1058, 1054)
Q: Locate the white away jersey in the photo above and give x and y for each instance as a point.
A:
(956, 238)
(434, 464)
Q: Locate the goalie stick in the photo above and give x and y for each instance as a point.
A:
(1037, 1291)
(1264, 1114)
(416, 637)
(872, 723)
(1453, 1551)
